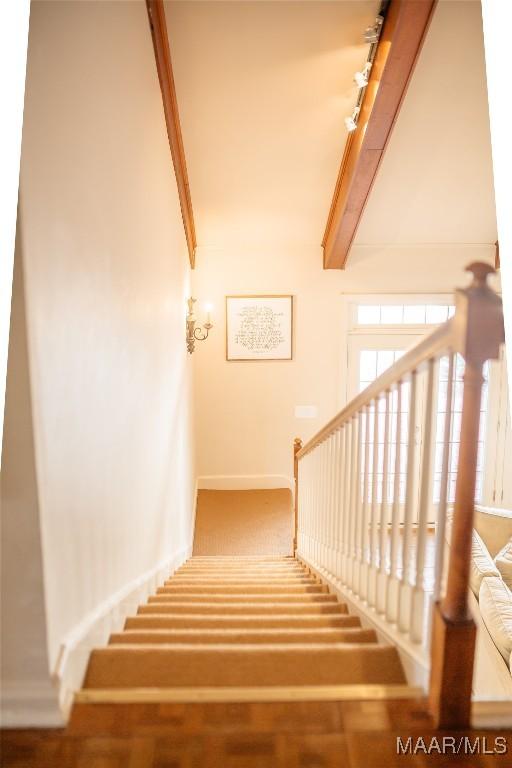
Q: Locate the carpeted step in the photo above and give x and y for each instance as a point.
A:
(241, 569)
(169, 636)
(243, 579)
(148, 666)
(243, 608)
(289, 562)
(257, 567)
(242, 559)
(246, 573)
(242, 622)
(275, 597)
(254, 589)
(255, 621)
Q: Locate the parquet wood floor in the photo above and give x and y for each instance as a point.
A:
(345, 734)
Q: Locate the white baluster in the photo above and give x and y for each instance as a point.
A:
(323, 507)
(314, 510)
(392, 585)
(346, 502)
(405, 591)
(354, 469)
(319, 505)
(318, 511)
(327, 518)
(443, 491)
(364, 545)
(325, 501)
(336, 528)
(372, 575)
(356, 566)
(384, 533)
(330, 503)
(303, 505)
(332, 491)
(311, 510)
(341, 503)
(418, 594)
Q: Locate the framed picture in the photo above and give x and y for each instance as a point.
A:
(259, 327)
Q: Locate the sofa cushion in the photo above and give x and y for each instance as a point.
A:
(482, 564)
(494, 527)
(495, 600)
(503, 561)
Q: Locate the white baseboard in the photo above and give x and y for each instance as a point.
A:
(30, 705)
(243, 482)
(95, 629)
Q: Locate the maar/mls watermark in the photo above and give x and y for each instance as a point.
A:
(452, 745)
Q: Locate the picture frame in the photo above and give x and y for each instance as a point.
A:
(259, 327)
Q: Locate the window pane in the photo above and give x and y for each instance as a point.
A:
(368, 365)
(414, 314)
(403, 314)
(436, 313)
(392, 314)
(385, 358)
(368, 314)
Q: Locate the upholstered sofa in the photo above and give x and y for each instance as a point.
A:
(491, 603)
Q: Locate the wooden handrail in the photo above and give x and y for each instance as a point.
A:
(475, 332)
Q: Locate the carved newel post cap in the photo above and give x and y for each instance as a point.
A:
(297, 445)
(481, 271)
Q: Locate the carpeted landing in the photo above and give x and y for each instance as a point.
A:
(256, 522)
(246, 622)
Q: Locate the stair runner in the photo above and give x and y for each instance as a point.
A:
(246, 622)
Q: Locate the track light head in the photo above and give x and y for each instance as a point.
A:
(351, 122)
(361, 78)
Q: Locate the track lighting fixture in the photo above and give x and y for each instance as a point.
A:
(371, 36)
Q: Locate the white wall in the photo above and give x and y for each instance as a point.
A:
(26, 689)
(106, 278)
(245, 410)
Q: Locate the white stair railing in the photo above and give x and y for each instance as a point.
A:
(363, 508)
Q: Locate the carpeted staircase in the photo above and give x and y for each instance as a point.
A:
(246, 622)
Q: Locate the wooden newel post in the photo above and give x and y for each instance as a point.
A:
(297, 445)
(478, 325)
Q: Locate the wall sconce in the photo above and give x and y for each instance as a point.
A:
(194, 333)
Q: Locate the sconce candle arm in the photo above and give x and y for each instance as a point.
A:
(199, 335)
(194, 333)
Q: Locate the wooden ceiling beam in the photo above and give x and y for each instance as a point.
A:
(403, 32)
(157, 23)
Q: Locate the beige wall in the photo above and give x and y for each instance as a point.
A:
(107, 275)
(245, 410)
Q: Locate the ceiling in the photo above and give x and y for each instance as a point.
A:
(263, 88)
